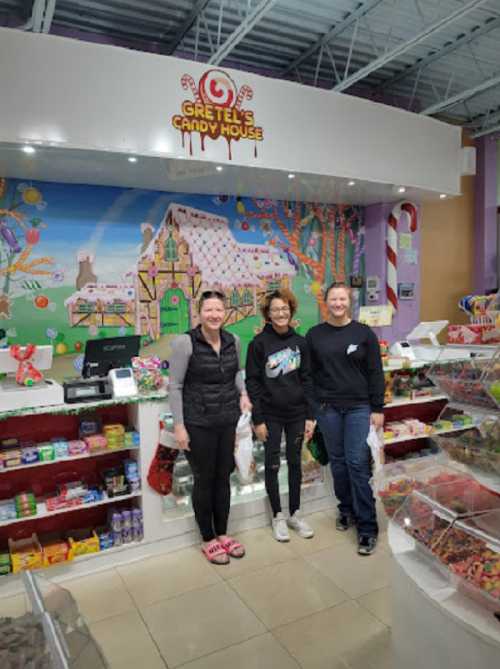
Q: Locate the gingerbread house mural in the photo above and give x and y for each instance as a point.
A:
(194, 251)
(102, 304)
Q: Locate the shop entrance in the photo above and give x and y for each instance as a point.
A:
(174, 312)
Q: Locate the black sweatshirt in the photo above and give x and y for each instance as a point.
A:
(278, 377)
(346, 365)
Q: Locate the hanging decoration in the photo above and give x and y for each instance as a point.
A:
(392, 247)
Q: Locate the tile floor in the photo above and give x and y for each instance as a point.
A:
(310, 604)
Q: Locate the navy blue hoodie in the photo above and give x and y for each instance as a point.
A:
(278, 377)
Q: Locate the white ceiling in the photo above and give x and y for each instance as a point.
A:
(192, 176)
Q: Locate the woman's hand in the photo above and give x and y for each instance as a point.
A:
(261, 432)
(245, 404)
(181, 437)
(377, 420)
(309, 429)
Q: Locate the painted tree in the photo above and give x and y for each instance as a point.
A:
(314, 236)
(18, 237)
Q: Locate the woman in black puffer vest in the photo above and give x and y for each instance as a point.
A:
(207, 395)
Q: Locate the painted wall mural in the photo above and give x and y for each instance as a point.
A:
(79, 262)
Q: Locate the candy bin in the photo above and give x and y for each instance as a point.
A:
(423, 520)
(470, 550)
(25, 554)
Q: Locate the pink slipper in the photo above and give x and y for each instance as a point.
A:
(233, 548)
(213, 551)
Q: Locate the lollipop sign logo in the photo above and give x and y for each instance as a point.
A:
(216, 111)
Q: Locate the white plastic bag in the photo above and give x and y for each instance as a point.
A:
(243, 452)
(376, 445)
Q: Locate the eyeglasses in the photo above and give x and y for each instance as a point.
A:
(280, 310)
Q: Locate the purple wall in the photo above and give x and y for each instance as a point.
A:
(408, 314)
(486, 227)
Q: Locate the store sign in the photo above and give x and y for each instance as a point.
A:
(216, 111)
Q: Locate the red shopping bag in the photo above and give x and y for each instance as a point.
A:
(161, 469)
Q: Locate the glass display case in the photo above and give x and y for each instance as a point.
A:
(478, 448)
(475, 381)
(50, 634)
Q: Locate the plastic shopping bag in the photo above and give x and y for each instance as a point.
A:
(376, 445)
(243, 452)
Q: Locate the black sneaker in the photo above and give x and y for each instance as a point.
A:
(367, 545)
(343, 522)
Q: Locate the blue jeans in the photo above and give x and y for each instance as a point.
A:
(345, 432)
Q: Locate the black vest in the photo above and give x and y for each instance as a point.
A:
(209, 396)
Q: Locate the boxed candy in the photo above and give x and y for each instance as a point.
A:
(4, 564)
(77, 447)
(83, 542)
(55, 550)
(46, 452)
(25, 554)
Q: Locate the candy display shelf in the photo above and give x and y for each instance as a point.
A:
(413, 437)
(72, 458)
(403, 401)
(43, 513)
(84, 407)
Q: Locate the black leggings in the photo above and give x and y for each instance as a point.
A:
(212, 460)
(294, 434)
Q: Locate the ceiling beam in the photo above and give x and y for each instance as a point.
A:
(253, 17)
(486, 131)
(50, 8)
(406, 46)
(361, 10)
(461, 40)
(187, 24)
(463, 95)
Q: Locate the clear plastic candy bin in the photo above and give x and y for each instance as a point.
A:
(470, 550)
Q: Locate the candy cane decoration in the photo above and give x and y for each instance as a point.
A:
(188, 83)
(245, 93)
(392, 247)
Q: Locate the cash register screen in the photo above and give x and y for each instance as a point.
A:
(101, 355)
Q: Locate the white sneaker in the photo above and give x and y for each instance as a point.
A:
(298, 524)
(280, 529)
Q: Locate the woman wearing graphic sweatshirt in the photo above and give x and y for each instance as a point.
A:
(278, 382)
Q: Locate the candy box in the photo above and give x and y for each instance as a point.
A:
(83, 542)
(105, 538)
(4, 564)
(11, 442)
(8, 510)
(29, 455)
(96, 443)
(89, 426)
(46, 452)
(25, 503)
(55, 550)
(25, 554)
(77, 447)
(12, 458)
(61, 449)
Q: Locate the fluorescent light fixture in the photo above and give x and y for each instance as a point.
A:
(351, 183)
(443, 196)
(28, 149)
(219, 168)
(401, 189)
(291, 175)
(132, 159)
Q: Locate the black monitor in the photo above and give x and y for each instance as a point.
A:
(101, 355)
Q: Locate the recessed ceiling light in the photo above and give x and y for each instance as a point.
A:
(132, 159)
(28, 149)
(401, 189)
(219, 168)
(291, 175)
(351, 183)
(443, 196)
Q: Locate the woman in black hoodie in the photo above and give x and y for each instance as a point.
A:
(278, 382)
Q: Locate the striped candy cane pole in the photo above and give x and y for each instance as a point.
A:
(392, 247)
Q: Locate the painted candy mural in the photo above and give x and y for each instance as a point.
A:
(79, 262)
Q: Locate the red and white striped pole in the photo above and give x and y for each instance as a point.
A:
(392, 247)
